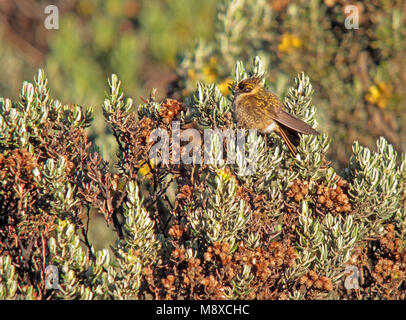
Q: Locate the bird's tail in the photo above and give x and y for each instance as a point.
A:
(290, 137)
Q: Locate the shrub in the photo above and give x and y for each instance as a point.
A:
(191, 231)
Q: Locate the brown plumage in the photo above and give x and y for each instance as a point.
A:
(257, 108)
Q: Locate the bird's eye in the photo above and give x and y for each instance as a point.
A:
(244, 87)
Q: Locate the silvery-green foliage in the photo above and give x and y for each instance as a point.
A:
(9, 288)
(240, 285)
(34, 109)
(296, 295)
(401, 214)
(115, 105)
(257, 70)
(324, 244)
(311, 148)
(139, 248)
(271, 177)
(253, 240)
(210, 107)
(58, 193)
(299, 98)
(80, 277)
(102, 277)
(139, 228)
(376, 185)
(9, 284)
(225, 217)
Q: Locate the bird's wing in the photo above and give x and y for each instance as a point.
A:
(276, 110)
(290, 121)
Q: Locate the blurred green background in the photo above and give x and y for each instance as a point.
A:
(357, 74)
(138, 40)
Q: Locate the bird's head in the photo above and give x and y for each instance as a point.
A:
(248, 85)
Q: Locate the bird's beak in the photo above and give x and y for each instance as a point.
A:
(231, 86)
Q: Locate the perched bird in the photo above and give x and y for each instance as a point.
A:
(256, 108)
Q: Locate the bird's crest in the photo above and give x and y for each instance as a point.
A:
(248, 84)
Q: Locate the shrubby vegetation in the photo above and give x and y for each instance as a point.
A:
(208, 231)
(288, 231)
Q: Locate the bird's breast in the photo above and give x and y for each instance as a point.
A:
(249, 118)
